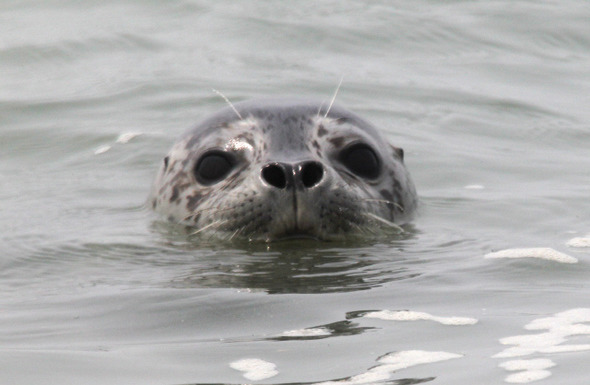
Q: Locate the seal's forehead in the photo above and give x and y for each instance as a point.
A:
(281, 128)
(282, 114)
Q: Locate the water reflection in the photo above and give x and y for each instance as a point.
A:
(297, 266)
(333, 329)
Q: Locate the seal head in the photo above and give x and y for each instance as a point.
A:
(273, 169)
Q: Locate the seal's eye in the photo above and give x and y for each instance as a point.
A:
(213, 167)
(361, 160)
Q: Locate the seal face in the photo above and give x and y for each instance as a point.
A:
(273, 169)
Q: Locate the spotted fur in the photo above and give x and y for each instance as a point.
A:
(243, 205)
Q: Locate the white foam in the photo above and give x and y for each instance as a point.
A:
(565, 348)
(555, 331)
(530, 370)
(534, 341)
(536, 252)
(568, 321)
(102, 149)
(255, 369)
(474, 187)
(127, 136)
(579, 242)
(310, 332)
(539, 363)
(406, 315)
(393, 362)
(527, 376)
(123, 138)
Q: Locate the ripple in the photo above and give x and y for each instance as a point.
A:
(73, 49)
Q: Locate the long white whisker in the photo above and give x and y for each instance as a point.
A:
(320, 109)
(385, 222)
(400, 207)
(234, 234)
(206, 209)
(228, 102)
(207, 226)
(334, 97)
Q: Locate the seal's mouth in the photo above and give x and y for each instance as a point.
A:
(315, 231)
(294, 230)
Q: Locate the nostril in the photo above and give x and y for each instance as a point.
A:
(274, 175)
(311, 174)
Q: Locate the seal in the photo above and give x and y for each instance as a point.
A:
(278, 168)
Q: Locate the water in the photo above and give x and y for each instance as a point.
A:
(489, 100)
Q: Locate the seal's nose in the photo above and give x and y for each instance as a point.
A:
(301, 175)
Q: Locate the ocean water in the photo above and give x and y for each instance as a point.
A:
(489, 285)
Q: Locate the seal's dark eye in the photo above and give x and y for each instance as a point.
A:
(213, 167)
(361, 160)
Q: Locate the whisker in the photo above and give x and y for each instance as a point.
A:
(231, 237)
(216, 223)
(384, 201)
(206, 209)
(334, 97)
(385, 222)
(228, 102)
(367, 230)
(320, 109)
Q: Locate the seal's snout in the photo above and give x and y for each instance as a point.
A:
(303, 175)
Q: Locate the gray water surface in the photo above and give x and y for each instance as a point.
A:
(490, 101)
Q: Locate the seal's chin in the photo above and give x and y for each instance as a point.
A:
(311, 231)
(292, 231)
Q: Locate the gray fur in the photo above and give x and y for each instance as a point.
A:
(288, 131)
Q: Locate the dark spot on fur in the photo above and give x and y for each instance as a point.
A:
(337, 142)
(315, 144)
(168, 164)
(341, 120)
(322, 130)
(192, 141)
(179, 175)
(174, 195)
(193, 201)
(266, 128)
(154, 204)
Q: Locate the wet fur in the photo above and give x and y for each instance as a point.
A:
(258, 132)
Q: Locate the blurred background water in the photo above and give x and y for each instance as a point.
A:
(489, 99)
